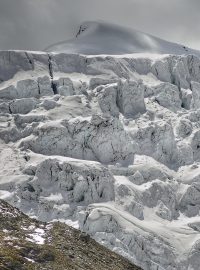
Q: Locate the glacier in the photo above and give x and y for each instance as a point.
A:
(109, 144)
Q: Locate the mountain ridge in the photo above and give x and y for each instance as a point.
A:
(106, 38)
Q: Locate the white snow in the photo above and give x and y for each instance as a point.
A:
(37, 236)
(30, 260)
(96, 38)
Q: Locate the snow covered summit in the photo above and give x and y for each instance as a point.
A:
(96, 38)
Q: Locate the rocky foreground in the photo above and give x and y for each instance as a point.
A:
(27, 244)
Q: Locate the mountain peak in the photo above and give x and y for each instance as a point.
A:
(95, 38)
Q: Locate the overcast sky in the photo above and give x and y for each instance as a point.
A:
(35, 24)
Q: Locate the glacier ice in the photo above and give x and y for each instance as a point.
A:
(109, 144)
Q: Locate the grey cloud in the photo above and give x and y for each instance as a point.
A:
(35, 24)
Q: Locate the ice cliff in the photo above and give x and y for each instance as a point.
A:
(109, 144)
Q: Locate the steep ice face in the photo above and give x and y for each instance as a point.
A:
(95, 38)
(108, 144)
(90, 139)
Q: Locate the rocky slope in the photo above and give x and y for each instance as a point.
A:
(108, 144)
(29, 244)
